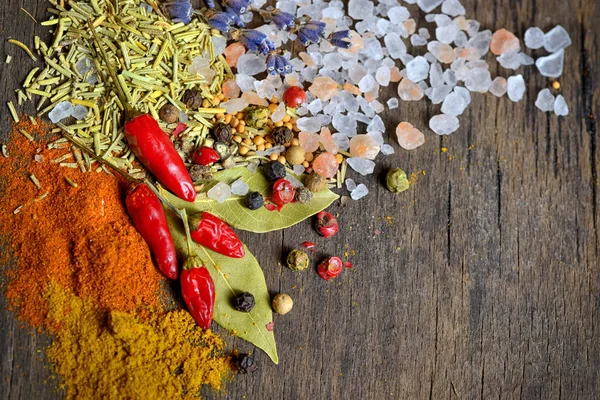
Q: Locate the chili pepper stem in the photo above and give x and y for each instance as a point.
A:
(186, 226)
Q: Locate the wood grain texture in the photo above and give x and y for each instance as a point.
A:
(486, 283)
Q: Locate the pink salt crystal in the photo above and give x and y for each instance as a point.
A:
(253, 98)
(370, 96)
(350, 88)
(468, 53)
(356, 43)
(323, 87)
(395, 75)
(291, 79)
(363, 146)
(461, 23)
(410, 25)
(233, 52)
(504, 42)
(445, 53)
(327, 141)
(309, 141)
(230, 89)
(409, 91)
(325, 164)
(409, 137)
(308, 60)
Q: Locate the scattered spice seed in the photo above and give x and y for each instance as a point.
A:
(246, 364)
(244, 302)
(282, 304)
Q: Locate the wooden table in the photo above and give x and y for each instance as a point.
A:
(482, 281)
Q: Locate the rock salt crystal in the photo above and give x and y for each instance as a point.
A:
(254, 99)
(409, 137)
(251, 64)
(324, 88)
(418, 69)
(325, 164)
(309, 141)
(545, 100)
(309, 124)
(239, 187)
(361, 165)
(453, 8)
(556, 39)
(560, 106)
(345, 124)
(481, 42)
(551, 66)
(61, 111)
(442, 51)
(360, 192)
(382, 76)
(398, 15)
(409, 91)
(367, 83)
(230, 89)
(444, 124)
(534, 38)
(279, 114)
(364, 146)
(245, 82)
(386, 150)
(220, 192)
(498, 87)
(350, 184)
(392, 103)
(454, 104)
(504, 42)
(515, 87)
(79, 112)
(395, 46)
(327, 140)
(478, 80)
(510, 60)
(341, 140)
(429, 5)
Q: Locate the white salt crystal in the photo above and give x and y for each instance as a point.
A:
(498, 87)
(367, 83)
(309, 124)
(386, 149)
(234, 106)
(393, 103)
(444, 124)
(293, 180)
(360, 192)
(376, 125)
(430, 58)
(534, 38)
(461, 39)
(239, 187)
(450, 78)
(251, 64)
(481, 42)
(350, 184)
(382, 76)
(279, 113)
(447, 33)
(245, 82)
(472, 27)
(315, 106)
(417, 40)
(464, 93)
(398, 15)
(219, 44)
(332, 61)
(560, 106)
(377, 137)
(361, 165)
(510, 60)
(439, 94)
(360, 9)
(298, 170)
(394, 45)
(526, 59)
(61, 111)
(551, 66)
(342, 141)
(545, 100)
(272, 150)
(556, 39)
(417, 69)
(515, 87)
(453, 8)
(345, 124)
(429, 5)
(454, 104)
(356, 73)
(79, 112)
(436, 77)
(220, 192)
(252, 166)
(478, 80)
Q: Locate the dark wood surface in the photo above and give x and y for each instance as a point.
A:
(486, 282)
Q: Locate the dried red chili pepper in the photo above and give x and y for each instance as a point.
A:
(327, 224)
(198, 290)
(205, 156)
(211, 232)
(330, 268)
(283, 192)
(148, 217)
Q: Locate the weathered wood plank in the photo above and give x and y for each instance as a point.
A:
(486, 283)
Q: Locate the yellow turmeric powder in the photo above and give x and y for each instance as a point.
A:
(112, 354)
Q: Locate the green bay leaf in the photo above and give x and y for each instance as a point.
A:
(235, 213)
(233, 276)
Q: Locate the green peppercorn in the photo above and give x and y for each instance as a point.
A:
(274, 170)
(222, 133)
(297, 260)
(246, 364)
(244, 302)
(222, 149)
(282, 135)
(169, 113)
(303, 195)
(254, 200)
(396, 180)
(192, 99)
(315, 182)
(256, 117)
(282, 304)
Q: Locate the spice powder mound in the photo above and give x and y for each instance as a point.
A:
(81, 272)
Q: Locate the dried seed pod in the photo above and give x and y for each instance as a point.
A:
(315, 182)
(222, 133)
(297, 260)
(169, 113)
(303, 195)
(282, 135)
(200, 173)
(192, 99)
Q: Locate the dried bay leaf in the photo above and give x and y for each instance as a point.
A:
(233, 276)
(235, 213)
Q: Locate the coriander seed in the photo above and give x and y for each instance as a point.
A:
(315, 182)
(282, 304)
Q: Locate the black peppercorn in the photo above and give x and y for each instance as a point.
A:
(200, 173)
(274, 170)
(303, 195)
(244, 302)
(282, 135)
(245, 363)
(254, 200)
(192, 99)
(222, 133)
(169, 113)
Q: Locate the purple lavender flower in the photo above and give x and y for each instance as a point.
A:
(239, 6)
(222, 21)
(278, 64)
(312, 31)
(237, 20)
(210, 3)
(179, 10)
(282, 19)
(254, 40)
(339, 39)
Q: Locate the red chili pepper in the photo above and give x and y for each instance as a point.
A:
(283, 192)
(179, 129)
(309, 245)
(205, 156)
(327, 224)
(155, 150)
(294, 96)
(211, 232)
(348, 264)
(330, 268)
(198, 290)
(148, 216)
